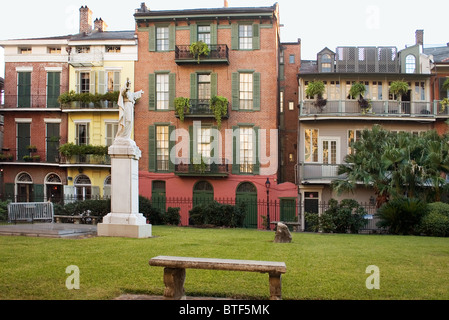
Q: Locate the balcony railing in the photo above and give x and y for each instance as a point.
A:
(34, 101)
(103, 105)
(218, 54)
(211, 170)
(377, 108)
(94, 58)
(87, 159)
(201, 108)
(319, 171)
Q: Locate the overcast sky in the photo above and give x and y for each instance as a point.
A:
(318, 23)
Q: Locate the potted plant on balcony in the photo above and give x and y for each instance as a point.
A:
(32, 148)
(357, 90)
(399, 88)
(182, 106)
(68, 99)
(444, 103)
(316, 90)
(219, 106)
(198, 49)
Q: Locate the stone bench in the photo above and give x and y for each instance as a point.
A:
(174, 272)
(76, 219)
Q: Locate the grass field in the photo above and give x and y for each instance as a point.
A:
(319, 266)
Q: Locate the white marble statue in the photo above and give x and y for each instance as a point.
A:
(126, 102)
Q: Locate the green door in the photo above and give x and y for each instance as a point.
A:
(203, 193)
(158, 196)
(53, 89)
(23, 140)
(288, 210)
(247, 194)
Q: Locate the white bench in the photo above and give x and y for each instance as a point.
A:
(174, 272)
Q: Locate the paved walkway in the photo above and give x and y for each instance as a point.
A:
(49, 230)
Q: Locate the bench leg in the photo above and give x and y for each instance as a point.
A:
(174, 284)
(275, 287)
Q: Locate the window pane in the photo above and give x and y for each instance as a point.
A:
(162, 91)
(162, 148)
(162, 39)
(246, 37)
(204, 87)
(246, 150)
(246, 91)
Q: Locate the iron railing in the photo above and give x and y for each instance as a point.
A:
(30, 211)
(31, 101)
(218, 53)
(203, 169)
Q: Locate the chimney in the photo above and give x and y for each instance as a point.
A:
(226, 3)
(85, 20)
(420, 37)
(100, 25)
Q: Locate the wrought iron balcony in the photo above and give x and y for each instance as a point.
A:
(218, 54)
(204, 170)
(319, 172)
(351, 108)
(31, 101)
(200, 108)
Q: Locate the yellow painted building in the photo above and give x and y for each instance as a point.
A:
(100, 63)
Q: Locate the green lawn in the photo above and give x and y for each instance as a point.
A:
(319, 266)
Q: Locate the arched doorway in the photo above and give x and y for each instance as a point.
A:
(24, 188)
(158, 196)
(203, 193)
(83, 187)
(247, 193)
(53, 188)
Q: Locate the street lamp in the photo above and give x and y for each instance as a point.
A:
(267, 185)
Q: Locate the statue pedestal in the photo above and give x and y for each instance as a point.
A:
(125, 219)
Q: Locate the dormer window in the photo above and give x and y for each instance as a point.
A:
(25, 50)
(326, 65)
(113, 49)
(410, 64)
(84, 49)
(54, 50)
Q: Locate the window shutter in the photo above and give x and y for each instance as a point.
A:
(213, 84)
(257, 149)
(256, 37)
(235, 36)
(152, 149)
(102, 82)
(192, 144)
(193, 86)
(53, 89)
(256, 91)
(152, 92)
(235, 91)
(9, 192)
(23, 140)
(172, 90)
(95, 192)
(152, 39)
(92, 87)
(78, 82)
(213, 34)
(171, 144)
(215, 145)
(236, 150)
(172, 38)
(24, 89)
(117, 77)
(193, 33)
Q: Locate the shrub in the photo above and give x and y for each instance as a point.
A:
(98, 208)
(4, 210)
(217, 214)
(439, 207)
(341, 217)
(435, 224)
(401, 215)
(152, 214)
(172, 216)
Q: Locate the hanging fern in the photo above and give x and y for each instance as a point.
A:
(399, 88)
(198, 49)
(182, 106)
(219, 106)
(357, 90)
(446, 84)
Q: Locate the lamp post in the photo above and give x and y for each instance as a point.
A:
(267, 185)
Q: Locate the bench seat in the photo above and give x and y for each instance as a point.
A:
(174, 272)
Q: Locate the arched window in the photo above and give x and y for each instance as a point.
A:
(246, 187)
(410, 64)
(83, 187)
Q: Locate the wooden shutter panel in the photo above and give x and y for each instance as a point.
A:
(172, 38)
(152, 39)
(213, 84)
(256, 91)
(53, 89)
(171, 148)
(213, 34)
(172, 90)
(193, 86)
(78, 82)
(23, 140)
(152, 149)
(236, 150)
(9, 192)
(152, 92)
(215, 144)
(24, 89)
(102, 85)
(256, 148)
(235, 91)
(92, 83)
(234, 36)
(117, 77)
(192, 144)
(193, 33)
(256, 37)
(38, 193)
